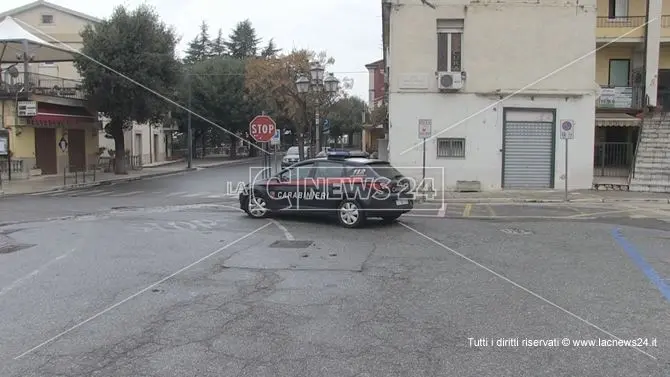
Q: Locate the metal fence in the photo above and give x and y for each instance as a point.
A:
(613, 159)
(42, 85)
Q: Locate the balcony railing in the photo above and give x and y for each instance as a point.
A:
(40, 84)
(630, 21)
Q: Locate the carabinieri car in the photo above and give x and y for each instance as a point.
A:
(352, 189)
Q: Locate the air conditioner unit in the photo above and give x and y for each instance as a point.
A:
(449, 80)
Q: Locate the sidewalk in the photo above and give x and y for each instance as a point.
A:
(71, 182)
(548, 196)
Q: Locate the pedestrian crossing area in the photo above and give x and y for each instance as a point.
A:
(109, 193)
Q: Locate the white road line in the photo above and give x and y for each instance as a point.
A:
(215, 196)
(215, 252)
(127, 193)
(287, 234)
(60, 193)
(102, 193)
(532, 293)
(90, 192)
(41, 193)
(196, 194)
(19, 281)
(176, 193)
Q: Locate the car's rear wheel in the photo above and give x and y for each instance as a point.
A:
(390, 218)
(350, 214)
(257, 207)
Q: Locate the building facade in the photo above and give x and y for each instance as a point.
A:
(633, 69)
(494, 100)
(53, 24)
(373, 130)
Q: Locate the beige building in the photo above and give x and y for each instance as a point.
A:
(55, 24)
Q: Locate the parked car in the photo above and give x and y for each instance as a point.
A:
(327, 151)
(293, 156)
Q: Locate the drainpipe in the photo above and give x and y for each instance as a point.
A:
(644, 60)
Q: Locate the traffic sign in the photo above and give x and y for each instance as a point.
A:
(425, 128)
(567, 129)
(262, 128)
(276, 138)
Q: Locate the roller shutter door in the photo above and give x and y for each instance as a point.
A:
(528, 155)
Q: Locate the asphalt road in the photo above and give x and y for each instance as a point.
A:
(147, 284)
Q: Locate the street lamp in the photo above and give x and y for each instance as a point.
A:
(317, 84)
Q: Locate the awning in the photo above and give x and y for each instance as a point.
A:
(49, 115)
(617, 120)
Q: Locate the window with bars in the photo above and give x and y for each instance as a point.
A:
(449, 45)
(451, 148)
(47, 19)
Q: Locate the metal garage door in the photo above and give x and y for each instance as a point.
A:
(528, 150)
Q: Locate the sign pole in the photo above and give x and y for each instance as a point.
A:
(423, 174)
(566, 169)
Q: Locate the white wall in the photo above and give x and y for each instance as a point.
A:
(483, 135)
(147, 142)
(544, 49)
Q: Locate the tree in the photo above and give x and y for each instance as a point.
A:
(138, 45)
(199, 47)
(217, 94)
(271, 82)
(242, 42)
(270, 50)
(346, 116)
(217, 46)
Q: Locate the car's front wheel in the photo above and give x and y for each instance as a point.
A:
(350, 214)
(257, 207)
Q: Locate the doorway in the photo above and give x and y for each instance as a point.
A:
(156, 149)
(77, 150)
(45, 150)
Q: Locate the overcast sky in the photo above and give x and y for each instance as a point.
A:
(349, 30)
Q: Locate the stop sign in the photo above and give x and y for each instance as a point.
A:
(262, 128)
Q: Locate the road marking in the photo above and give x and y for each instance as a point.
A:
(60, 193)
(91, 192)
(467, 210)
(127, 194)
(442, 212)
(215, 196)
(18, 281)
(287, 234)
(176, 193)
(532, 293)
(597, 213)
(102, 193)
(196, 194)
(215, 252)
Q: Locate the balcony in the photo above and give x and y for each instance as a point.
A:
(44, 86)
(623, 98)
(617, 27)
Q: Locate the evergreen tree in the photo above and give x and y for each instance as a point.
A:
(218, 45)
(270, 50)
(199, 48)
(242, 42)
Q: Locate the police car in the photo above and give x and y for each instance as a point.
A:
(353, 189)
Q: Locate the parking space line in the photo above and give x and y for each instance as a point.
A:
(127, 194)
(527, 290)
(597, 213)
(467, 209)
(287, 234)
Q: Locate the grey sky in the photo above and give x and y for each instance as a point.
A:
(349, 30)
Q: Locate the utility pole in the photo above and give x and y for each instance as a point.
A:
(189, 132)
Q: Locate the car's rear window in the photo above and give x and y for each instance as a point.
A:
(384, 169)
(292, 150)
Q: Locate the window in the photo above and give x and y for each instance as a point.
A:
(617, 9)
(451, 148)
(449, 45)
(47, 19)
(327, 169)
(295, 173)
(47, 64)
(619, 74)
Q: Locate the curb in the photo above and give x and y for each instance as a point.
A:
(228, 163)
(523, 200)
(77, 186)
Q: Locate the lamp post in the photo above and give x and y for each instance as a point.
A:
(317, 84)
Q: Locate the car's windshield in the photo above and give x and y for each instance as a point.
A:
(293, 150)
